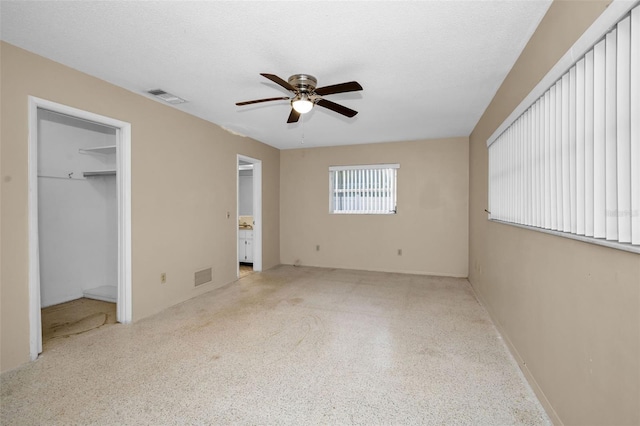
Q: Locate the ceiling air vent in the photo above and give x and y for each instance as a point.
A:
(167, 97)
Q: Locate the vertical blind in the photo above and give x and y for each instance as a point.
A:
(571, 161)
(367, 189)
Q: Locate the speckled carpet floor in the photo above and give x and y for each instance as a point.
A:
(298, 346)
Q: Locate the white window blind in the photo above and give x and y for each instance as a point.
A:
(571, 162)
(368, 189)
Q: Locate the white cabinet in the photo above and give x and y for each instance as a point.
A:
(245, 246)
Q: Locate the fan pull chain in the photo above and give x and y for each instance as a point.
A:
(302, 127)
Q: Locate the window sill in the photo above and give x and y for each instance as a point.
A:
(363, 213)
(597, 241)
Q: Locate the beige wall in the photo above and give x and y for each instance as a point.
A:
(183, 183)
(430, 227)
(569, 310)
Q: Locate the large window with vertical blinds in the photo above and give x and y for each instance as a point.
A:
(369, 189)
(571, 162)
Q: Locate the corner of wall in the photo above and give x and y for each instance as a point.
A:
(567, 310)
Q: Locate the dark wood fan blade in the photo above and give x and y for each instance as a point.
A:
(351, 86)
(294, 116)
(336, 107)
(257, 101)
(279, 81)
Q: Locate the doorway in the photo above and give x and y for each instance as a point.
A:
(249, 220)
(95, 167)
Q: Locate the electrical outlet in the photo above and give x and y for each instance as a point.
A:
(399, 252)
(163, 278)
(318, 248)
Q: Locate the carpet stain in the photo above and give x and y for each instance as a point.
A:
(75, 317)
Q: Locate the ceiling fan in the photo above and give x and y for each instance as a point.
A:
(306, 95)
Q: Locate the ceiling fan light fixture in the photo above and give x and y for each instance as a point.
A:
(302, 104)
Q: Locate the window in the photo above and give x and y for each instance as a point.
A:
(571, 162)
(369, 189)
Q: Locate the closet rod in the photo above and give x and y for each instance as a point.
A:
(61, 177)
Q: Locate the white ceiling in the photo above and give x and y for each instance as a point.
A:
(428, 68)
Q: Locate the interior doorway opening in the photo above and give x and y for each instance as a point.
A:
(249, 208)
(79, 218)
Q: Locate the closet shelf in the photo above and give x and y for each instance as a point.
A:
(99, 173)
(109, 149)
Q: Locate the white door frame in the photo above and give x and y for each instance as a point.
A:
(123, 189)
(257, 211)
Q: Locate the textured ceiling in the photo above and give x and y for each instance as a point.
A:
(428, 69)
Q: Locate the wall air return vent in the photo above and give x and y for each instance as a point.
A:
(203, 277)
(167, 97)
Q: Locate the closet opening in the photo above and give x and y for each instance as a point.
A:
(79, 222)
(77, 225)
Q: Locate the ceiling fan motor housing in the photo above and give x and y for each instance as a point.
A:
(305, 83)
